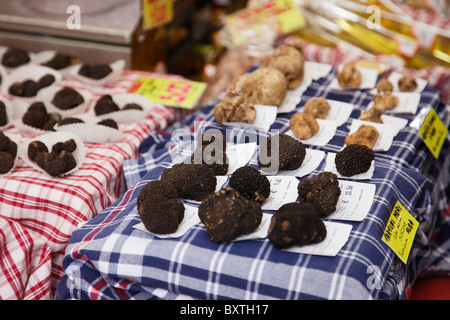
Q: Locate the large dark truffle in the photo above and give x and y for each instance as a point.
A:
(57, 162)
(105, 105)
(251, 184)
(211, 150)
(192, 181)
(322, 191)
(8, 152)
(159, 207)
(36, 116)
(227, 215)
(14, 57)
(61, 61)
(296, 224)
(354, 159)
(3, 115)
(291, 152)
(67, 98)
(95, 71)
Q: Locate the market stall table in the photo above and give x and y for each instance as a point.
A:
(110, 258)
(49, 208)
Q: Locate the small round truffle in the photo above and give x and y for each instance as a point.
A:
(322, 191)
(46, 81)
(366, 135)
(296, 224)
(373, 115)
(105, 105)
(227, 215)
(234, 108)
(160, 209)
(67, 98)
(354, 159)
(349, 76)
(132, 106)
(384, 85)
(61, 61)
(15, 57)
(318, 107)
(109, 123)
(95, 71)
(192, 181)
(385, 101)
(287, 152)
(251, 184)
(70, 120)
(407, 83)
(34, 148)
(303, 125)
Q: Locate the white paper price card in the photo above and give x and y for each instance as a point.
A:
(239, 155)
(386, 133)
(397, 123)
(283, 189)
(339, 111)
(337, 237)
(293, 97)
(408, 102)
(354, 202)
(190, 219)
(260, 232)
(317, 70)
(330, 165)
(312, 160)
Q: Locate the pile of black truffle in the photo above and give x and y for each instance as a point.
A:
(8, 153)
(56, 161)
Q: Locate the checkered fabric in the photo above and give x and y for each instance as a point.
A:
(50, 209)
(107, 258)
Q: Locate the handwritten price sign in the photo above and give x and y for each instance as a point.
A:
(156, 12)
(176, 93)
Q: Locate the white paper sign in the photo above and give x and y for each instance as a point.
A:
(354, 202)
(265, 117)
(312, 160)
(190, 219)
(337, 237)
(369, 78)
(293, 97)
(239, 155)
(316, 70)
(339, 111)
(408, 102)
(395, 76)
(386, 131)
(331, 166)
(260, 232)
(327, 129)
(397, 123)
(283, 189)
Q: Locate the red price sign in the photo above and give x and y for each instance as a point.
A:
(178, 93)
(156, 12)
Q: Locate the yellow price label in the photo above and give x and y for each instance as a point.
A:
(156, 13)
(433, 132)
(400, 231)
(170, 92)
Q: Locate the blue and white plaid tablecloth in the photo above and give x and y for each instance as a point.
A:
(108, 258)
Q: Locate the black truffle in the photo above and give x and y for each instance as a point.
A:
(192, 181)
(30, 88)
(95, 71)
(105, 105)
(291, 152)
(69, 120)
(322, 191)
(67, 98)
(37, 117)
(57, 162)
(296, 224)
(212, 153)
(354, 159)
(6, 162)
(36, 147)
(251, 184)
(227, 215)
(132, 106)
(14, 57)
(61, 61)
(8, 152)
(109, 123)
(3, 115)
(160, 209)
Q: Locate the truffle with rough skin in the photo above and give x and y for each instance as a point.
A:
(407, 83)
(105, 105)
(212, 153)
(318, 107)
(8, 152)
(15, 57)
(109, 123)
(67, 98)
(366, 135)
(354, 159)
(227, 215)
(349, 76)
(132, 106)
(6, 162)
(61, 61)
(158, 206)
(95, 71)
(69, 120)
(251, 184)
(289, 61)
(192, 181)
(385, 101)
(57, 162)
(322, 191)
(384, 85)
(29, 88)
(296, 224)
(36, 147)
(267, 86)
(373, 115)
(3, 115)
(291, 152)
(234, 108)
(303, 125)
(36, 116)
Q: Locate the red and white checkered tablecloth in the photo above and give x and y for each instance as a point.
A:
(40, 212)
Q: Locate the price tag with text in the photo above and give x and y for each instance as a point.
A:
(156, 13)
(433, 132)
(170, 92)
(400, 231)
